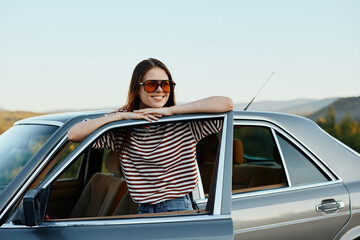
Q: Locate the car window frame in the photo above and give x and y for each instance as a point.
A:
(219, 211)
(320, 164)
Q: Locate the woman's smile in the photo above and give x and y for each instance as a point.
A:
(158, 98)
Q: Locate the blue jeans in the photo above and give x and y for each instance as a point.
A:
(177, 204)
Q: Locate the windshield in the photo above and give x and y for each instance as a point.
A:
(17, 146)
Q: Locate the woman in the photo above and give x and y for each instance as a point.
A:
(158, 162)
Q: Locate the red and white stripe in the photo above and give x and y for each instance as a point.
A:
(159, 162)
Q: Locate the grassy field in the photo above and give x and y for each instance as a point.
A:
(7, 118)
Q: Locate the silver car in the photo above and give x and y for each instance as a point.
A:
(263, 176)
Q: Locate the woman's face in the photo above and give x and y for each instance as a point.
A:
(155, 99)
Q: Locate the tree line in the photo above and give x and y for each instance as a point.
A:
(347, 130)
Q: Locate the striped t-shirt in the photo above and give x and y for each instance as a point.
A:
(159, 162)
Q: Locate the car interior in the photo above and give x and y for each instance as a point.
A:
(104, 194)
(248, 174)
(93, 185)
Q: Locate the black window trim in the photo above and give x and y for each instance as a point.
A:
(329, 173)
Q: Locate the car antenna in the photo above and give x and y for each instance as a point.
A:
(267, 80)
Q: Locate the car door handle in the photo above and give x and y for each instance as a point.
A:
(329, 205)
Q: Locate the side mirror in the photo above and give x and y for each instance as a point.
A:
(33, 207)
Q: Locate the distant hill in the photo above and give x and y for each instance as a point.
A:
(7, 118)
(342, 107)
(302, 107)
(310, 108)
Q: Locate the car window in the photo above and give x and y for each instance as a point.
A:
(207, 151)
(300, 168)
(256, 160)
(66, 189)
(105, 155)
(104, 191)
(73, 171)
(59, 156)
(259, 147)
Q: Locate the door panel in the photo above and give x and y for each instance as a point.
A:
(302, 185)
(214, 224)
(286, 213)
(164, 228)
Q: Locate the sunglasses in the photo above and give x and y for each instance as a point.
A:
(151, 86)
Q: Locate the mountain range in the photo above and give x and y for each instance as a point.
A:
(303, 107)
(342, 107)
(311, 108)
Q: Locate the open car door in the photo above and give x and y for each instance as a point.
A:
(211, 221)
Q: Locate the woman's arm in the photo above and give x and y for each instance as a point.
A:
(206, 105)
(210, 105)
(83, 129)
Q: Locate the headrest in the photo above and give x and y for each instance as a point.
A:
(206, 149)
(238, 152)
(112, 163)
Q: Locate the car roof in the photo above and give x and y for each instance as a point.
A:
(281, 119)
(286, 120)
(64, 117)
(61, 118)
(291, 123)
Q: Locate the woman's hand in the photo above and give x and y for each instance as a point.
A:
(155, 112)
(137, 114)
(81, 130)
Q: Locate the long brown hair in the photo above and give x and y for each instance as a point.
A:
(133, 99)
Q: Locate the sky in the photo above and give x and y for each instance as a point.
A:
(80, 54)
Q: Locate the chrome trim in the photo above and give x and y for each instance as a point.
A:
(39, 122)
(220, 172)
(355, 211)
(33, 176)
(281, 156)
(204, 200)
(282, 224)
(284, 189)
(122, 221)
(198, 192)
(314, 157)
(329, 207)
(277, 190)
